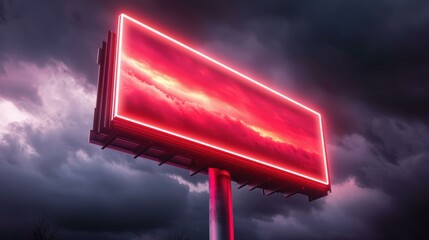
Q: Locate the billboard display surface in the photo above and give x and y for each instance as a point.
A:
(167, 86)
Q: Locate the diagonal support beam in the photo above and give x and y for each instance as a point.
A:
(141, 149)
(288, 195)
(109, 141)
(196, 167)
(268, 192)
(253, 187)
(165, 158)
(241, 185)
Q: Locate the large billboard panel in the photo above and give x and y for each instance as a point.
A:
(168, 91)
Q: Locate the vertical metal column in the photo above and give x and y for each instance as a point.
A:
(220, 206)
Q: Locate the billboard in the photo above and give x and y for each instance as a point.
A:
(162, 95)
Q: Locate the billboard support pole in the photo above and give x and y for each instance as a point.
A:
(220, 205)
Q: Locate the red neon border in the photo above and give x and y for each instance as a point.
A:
(116, 90)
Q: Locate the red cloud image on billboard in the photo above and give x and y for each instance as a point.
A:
(167, 86)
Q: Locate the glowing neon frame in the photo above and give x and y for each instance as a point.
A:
(116, 94)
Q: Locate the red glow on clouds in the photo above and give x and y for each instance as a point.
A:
(166, 86)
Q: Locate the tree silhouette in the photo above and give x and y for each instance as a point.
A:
(179, 235)
(43, 229)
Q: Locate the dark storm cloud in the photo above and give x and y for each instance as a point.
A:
(408, 187)
(394, 165)
(43, 30)
(374, 51)
(47, 167)
(96, 196)
(362, 63)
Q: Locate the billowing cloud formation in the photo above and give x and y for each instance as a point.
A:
(48, 167)
(363, 63)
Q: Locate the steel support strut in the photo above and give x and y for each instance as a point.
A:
(220, 206)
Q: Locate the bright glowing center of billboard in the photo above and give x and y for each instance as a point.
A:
(166, 85)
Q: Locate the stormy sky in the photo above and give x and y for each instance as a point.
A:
(363, 64)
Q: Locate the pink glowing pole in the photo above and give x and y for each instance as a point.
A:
(220, 207)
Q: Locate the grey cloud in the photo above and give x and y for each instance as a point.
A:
(361, 62)
(93, 197)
